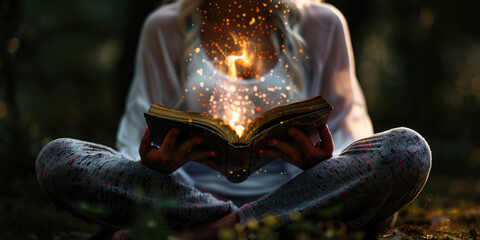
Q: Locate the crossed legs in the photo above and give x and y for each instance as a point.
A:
(372, 179)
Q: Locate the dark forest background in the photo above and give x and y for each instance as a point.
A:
(65, 69)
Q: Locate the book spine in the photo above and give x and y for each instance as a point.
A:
(238, 159)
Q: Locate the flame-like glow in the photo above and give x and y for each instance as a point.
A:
(236, 105)
(239, 48)
(235, 119)
(246, 59)
(239, 130)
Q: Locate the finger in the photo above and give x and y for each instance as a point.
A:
(300, 139)
(286, 149)
(145, 143)
(326, 143)
(170, 139)
(201, 154)
(186, 146)
(273, 153)
(204, 156)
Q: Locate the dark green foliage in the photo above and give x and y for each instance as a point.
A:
(64, 63)
(150, 225)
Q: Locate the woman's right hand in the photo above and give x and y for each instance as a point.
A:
(170, 157)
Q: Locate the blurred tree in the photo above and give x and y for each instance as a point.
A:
(66, 66)
(417, 61)
(10, 136)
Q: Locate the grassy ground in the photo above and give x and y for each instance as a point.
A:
(446, 209)
(416, 222)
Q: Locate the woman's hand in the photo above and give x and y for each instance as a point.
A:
(170, 157)
(303, 154)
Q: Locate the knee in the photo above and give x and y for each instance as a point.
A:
(412, 152)
(50, 159)
(413, 146)
(51, 152)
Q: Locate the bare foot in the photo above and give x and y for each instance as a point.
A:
(120, 235)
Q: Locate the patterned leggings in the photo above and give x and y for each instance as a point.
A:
(372, 178)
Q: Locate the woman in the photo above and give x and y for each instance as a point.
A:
(201, 56)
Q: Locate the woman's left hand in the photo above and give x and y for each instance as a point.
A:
(303, 153)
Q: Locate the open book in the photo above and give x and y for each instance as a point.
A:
(238, 156)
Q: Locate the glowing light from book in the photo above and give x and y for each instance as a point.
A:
(249, 83)
(235, 105)
(246, 59)
(234, 120)
(239, 129)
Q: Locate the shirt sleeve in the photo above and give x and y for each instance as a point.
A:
(334, 78)
(155, 81)
(132, 123)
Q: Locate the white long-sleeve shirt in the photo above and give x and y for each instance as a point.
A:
(330, 72)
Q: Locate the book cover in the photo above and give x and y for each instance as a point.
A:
(238, 156)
